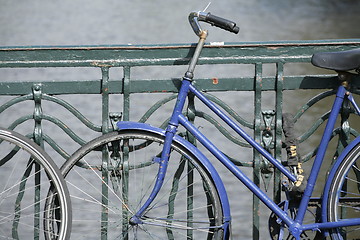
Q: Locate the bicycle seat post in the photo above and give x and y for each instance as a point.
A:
(344, 77)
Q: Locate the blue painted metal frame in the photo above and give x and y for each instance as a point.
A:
(177, 118)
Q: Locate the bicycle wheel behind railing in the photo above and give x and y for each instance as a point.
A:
(27, 175)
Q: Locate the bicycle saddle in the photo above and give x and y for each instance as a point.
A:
(338, 61)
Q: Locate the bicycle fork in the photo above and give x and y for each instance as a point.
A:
(172, 129)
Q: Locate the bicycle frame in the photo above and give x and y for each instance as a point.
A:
(295, 225)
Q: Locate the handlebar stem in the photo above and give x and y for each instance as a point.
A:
(189, 75)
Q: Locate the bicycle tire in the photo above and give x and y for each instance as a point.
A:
(343, 202)
(126, 176)
(28, 174)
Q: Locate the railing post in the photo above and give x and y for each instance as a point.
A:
(126, 92)
(105, 154)
(278, 128)
(105, 99)
(191, 113)
(125, 170)
(37, 94)
(257, 136)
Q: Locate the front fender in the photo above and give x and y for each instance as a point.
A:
(123, 125)
(331, 175)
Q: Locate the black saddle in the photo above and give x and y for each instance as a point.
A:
(338, 61)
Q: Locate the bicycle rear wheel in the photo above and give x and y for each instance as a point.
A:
(112, 176)
(344, 200)
(27, 175)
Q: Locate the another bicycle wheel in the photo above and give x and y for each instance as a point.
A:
(111, 177)
(344, 200)
(27, 175)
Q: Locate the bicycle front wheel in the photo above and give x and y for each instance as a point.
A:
(111, 177)
(27, 175)
(344, 200)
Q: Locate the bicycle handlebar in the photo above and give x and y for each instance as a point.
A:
(225, 24)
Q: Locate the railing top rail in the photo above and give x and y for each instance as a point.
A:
(187, 45)
(172, 54)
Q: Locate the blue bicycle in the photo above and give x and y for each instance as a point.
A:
(142, 182)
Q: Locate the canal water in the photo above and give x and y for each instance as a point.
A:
(120, 22)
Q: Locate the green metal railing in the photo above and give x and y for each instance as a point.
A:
(265, 124)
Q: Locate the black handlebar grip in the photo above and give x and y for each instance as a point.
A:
(222, 23)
